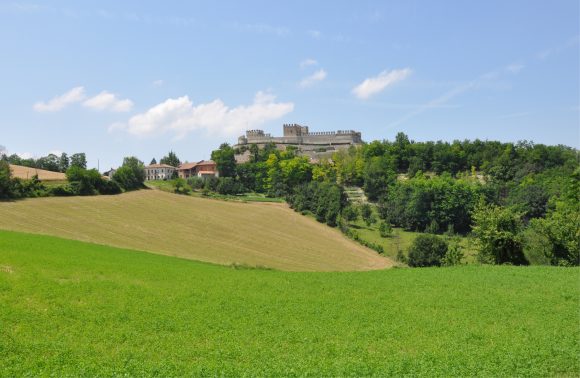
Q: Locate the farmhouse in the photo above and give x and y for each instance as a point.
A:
(159, 172)
(203, 168)
(316, 145)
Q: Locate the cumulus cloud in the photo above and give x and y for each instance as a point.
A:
(180, 116)
(308, 62)
(108, 101)
(374, 85)
(313, 79)
(57, 103)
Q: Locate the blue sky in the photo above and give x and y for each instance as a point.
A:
(119, 78)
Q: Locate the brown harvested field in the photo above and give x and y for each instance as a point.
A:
(264, 234)
(27, 173)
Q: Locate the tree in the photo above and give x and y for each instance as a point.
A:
(63, 162)
(5, 180)
(350, 213)
(385, 229)
(561, 231)
(78, 160)
(427, 250)
(366, 212)
(170, 159)
(153, 161)
(131, 174)
(225, 160)
(497, 230)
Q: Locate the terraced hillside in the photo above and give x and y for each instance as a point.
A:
(264, 234)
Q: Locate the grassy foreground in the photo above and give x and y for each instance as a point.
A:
(72, 308)
(223, 232)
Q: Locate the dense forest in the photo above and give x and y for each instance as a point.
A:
(519, 199)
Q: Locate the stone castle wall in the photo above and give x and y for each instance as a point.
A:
(312, 144)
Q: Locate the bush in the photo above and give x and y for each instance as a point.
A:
(498, 235)
(454, 255)
(196, 183)
(63, 190)
(108, 187)
(385, 229)
(427, 250)
(180, 186)
(228, 185)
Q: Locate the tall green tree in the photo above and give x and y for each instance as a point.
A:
(170, 159)
(63, 162)
(225, 160)
(78, 160)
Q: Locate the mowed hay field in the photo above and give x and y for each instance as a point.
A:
(26, 173)
(256, 234)
(76, 309)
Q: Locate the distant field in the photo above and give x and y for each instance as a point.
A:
(265, 234)
(75, 309)
(26, 173)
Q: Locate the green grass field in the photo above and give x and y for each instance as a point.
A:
(223, 232)
(76, 309)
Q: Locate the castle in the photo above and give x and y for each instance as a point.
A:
(313, 144)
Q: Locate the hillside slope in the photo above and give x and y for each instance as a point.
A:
(221, 232)
(75, 309)
(26, 173)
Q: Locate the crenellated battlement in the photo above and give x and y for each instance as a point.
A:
(300, 136)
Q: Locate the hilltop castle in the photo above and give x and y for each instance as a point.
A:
(312, 144)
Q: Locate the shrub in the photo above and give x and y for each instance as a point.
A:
(385, 229)
(498, 235)
(427, 250)
(180, 186)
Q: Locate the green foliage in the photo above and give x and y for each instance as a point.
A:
(180, 186)
(84, 182)
(498, 235)
(228, 185)
(560, 233)
(225, 160)
(78, 160)
(454, 255)
(350, 213)
(427, 250)
(5, 180)
(385, 229)
(324, 200)
(131, 175)
(170, 159)
(435, 204)
(83, 309)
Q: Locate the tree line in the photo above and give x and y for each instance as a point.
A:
(520, 200)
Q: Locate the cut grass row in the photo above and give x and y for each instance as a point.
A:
(76, 309)
(224, 232)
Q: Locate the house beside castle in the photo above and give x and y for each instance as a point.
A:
(203, 169)
(316, 145)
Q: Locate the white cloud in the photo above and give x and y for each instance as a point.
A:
(313, 79)
(55, 152)
(308, 62)
(76, 94)
(158, 83)
(180, 116)
(514, 68)
(374, 85)
(316, 34)
(108, 101)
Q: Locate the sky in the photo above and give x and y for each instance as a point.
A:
(141, 78)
